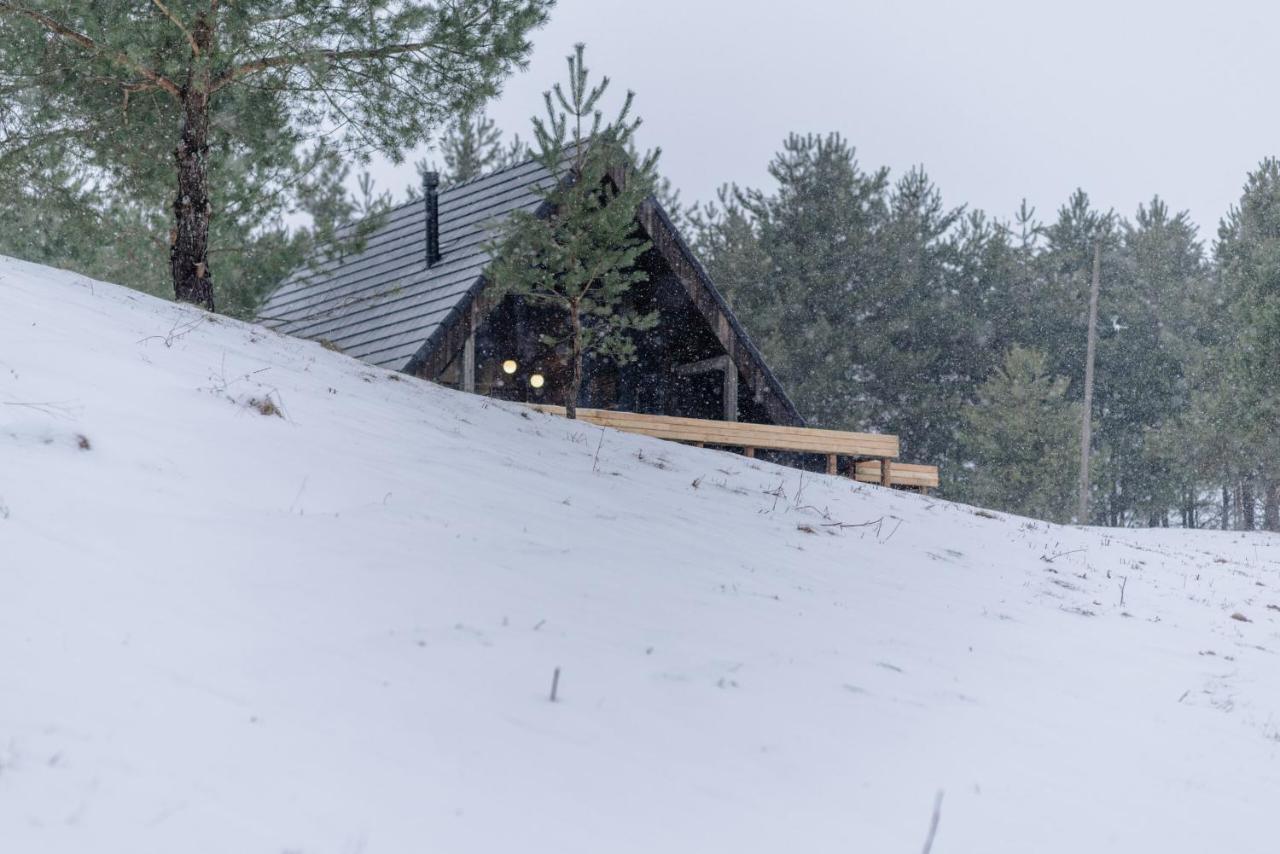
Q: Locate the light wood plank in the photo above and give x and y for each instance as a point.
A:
(832, 444)
(702, 422)
(902, 474)
(741, 434)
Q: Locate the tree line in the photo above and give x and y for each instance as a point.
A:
(883, 308)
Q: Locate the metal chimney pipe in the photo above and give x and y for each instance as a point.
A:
(431, 192)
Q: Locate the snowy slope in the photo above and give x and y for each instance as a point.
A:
(334, 630)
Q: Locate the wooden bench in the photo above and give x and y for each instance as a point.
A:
(865, 449)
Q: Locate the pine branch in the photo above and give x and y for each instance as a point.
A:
(14, 144)
(307, 57)
(68, 34)
(191, 40)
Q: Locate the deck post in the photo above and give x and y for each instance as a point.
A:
(469, 350)
(469, 363)
(886, 473)
(831, 464)
(730, 392)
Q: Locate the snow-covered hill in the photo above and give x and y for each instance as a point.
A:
(333, 629)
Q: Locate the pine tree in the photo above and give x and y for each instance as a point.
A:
(875, 304)
(728, 244)
(580, 260)
(667, 194)
(58, 214)
(990, 283)
(1146, 343)
(917, 328)
(472, 146)
(795, 263)
(1059, 310)
(1248, 255)
(1022, 437)
(247, 86)
(1211, 446)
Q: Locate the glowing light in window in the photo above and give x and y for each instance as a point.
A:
(509, 366)
(537, 380)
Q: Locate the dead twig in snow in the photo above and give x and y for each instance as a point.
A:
(595, 461)
(835, 523)
(296, 498)
(64, 409)
(891, 533)
(1124, 581)
(875, 522)
(177, 331)
(1052, 558)
(825, 513)
(555, 683)
(776, 493)
(933, 823)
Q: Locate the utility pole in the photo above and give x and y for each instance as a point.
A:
(1086, 419)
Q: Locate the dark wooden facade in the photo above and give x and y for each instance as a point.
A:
(698, 362)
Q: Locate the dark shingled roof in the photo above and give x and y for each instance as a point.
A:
(382, 303)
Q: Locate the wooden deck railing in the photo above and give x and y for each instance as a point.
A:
(871, 456)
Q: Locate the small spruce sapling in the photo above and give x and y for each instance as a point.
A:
(580, 259)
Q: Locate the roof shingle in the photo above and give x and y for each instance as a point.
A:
(380, 304)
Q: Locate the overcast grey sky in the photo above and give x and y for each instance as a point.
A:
(997, 99)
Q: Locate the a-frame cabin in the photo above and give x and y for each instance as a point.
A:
(413, 299)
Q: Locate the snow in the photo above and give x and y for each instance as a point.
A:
(334, 630)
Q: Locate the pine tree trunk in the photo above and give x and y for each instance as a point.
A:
(1226, 508)
(575, 377)
(189, 247)
(1271, 505)
(1246, 505)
